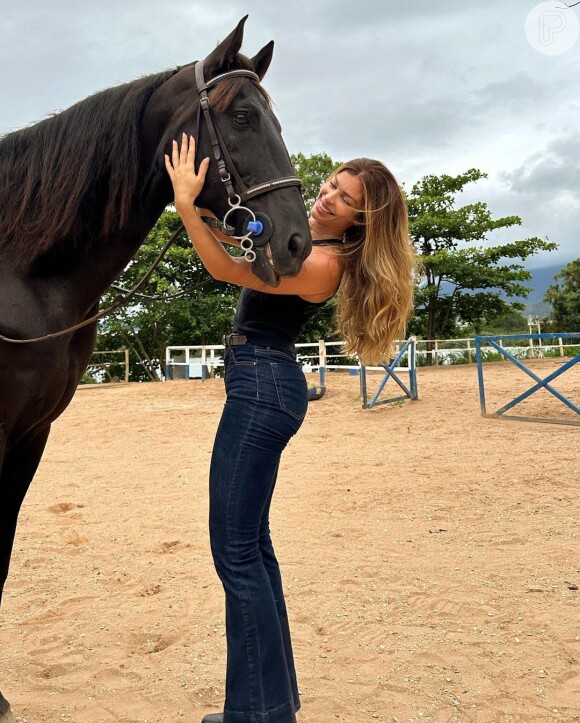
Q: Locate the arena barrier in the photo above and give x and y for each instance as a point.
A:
(103, 368)
(393, 370)
(193, 362)
(204, 361)
(201, 361)
(463, 351)
(496, 343)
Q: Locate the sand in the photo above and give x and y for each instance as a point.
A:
(431, 558)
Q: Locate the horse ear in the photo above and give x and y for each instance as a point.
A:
(263, 59)
(223, 56)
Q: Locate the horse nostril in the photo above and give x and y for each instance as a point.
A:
(296, 246)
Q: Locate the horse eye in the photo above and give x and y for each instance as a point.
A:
(241, 119)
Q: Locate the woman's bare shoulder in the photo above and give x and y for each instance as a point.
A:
(317, 281)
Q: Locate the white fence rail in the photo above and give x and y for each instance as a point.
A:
(193, 362)
(199, 361)
(443, 351)
(101, 362)
(202, 360)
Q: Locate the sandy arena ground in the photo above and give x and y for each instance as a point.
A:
(431, 558)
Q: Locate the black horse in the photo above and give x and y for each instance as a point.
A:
(78, 194)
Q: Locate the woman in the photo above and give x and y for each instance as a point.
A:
(361, 249)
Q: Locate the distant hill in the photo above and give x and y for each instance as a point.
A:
(541, 279)
(535, 304)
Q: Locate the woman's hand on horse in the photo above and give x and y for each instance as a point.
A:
(187, 184)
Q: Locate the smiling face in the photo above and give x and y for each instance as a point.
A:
(339, 202)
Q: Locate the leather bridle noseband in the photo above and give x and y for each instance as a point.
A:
(257, 228)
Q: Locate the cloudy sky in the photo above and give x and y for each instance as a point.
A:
(427, 86)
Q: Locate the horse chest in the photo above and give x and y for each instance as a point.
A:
(37, 382)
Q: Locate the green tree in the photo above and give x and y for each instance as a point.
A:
(564, 296)
(510, 322)
(312, 171)
(463, 283)
(147, 327)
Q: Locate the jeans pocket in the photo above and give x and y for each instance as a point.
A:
(240, 375)
(243, 355)
(292, 389)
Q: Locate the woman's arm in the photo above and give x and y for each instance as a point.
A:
(320, 274)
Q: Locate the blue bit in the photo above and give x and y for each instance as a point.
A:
(255, 227)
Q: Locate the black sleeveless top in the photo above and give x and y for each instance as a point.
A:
(275, 320)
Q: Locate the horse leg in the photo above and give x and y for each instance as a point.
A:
(18, 468)
(16, 472)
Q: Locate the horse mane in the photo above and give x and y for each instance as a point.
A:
(73, 175)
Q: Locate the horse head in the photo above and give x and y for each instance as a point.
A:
(252, 151)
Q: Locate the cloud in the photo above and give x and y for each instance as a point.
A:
(433, 87)
(554, 170)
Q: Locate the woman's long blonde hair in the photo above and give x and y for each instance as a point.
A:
(375, 298)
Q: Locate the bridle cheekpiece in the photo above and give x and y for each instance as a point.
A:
(257, 228)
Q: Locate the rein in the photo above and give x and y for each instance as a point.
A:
(259, 227)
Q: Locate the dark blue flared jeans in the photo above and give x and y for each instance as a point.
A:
(266, 403)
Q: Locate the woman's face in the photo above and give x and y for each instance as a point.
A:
(338, 203)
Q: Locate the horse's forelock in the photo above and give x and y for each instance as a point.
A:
(222, 95)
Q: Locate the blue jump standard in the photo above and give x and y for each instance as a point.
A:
(540, 383)
(409, 393)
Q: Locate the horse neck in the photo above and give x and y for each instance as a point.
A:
(109, 256)
(92, 275)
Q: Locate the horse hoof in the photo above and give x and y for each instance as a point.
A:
(5, 714)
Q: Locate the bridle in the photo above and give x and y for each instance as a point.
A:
(257, 229)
